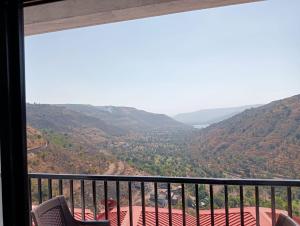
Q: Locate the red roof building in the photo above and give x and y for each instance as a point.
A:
(89, 215)
(219, 216)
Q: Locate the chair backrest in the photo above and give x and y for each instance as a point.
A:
(284, 220)
(54, 212)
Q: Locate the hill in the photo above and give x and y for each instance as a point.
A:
(127, 118)
(259, 142)
(210, 116)
(88, 135)
(61, 119)
(54, 152)
(108, 121)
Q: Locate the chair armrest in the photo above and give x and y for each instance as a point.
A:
(94, 223)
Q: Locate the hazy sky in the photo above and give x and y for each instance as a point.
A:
(222, 57)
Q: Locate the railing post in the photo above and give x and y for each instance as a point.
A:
(212, 212)
(143, 203)
(49, 188)
(60, 187)
(130, 203)
(273, 205)
(30, 200)
(170, 204)
(183, 205)
(197, 204)
(289, 198)
(118, 203)
(156, 204)
(71, 197)
(226, 205)
(105, 200)
(242, 205)
(257, 205)
(40, 195)
(82, 199)
(94, 199)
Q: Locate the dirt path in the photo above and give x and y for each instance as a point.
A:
(37, 149)
(111, 169)
(121, 168)
(115, 168)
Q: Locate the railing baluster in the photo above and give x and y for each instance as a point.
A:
(273, 205)
(105, 200)
(118, 202)
(130, 203)
(94, 199)
(29, 194)
(143, 203)
(183, 205)
(289, 198)
(30, 200)
(60, 187)
(156, 204)
(71, 197)
(226, 205)
(242, 205)
(82, 200)
(49, 189)
(257, 205)
(40, 195)
(197, 204)
(211, 196)
(170, 204)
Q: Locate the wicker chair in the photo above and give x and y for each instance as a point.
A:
(284, 220)
(55, 212)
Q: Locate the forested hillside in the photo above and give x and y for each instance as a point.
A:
(35, 138)
(260, 142)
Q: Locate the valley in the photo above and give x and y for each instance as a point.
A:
(261, 142)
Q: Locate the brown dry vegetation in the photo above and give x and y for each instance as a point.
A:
(35, 138)
(261, 142)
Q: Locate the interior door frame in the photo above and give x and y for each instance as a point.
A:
(14, 173)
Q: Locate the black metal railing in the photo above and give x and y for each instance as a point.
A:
(66, 182)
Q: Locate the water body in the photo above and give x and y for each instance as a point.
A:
(200, 126)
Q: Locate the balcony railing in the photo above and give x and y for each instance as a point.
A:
(42, 187)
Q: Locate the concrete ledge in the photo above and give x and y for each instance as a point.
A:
(80, 13)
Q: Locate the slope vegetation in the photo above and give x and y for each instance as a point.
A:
(260, 142)
(110, 121)
(127, 118)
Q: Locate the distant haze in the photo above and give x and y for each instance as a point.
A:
(206, 117)
(215, 58)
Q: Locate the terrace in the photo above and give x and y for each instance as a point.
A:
(94, 191)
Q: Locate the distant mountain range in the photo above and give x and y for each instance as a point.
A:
(259, 142)
(251, 141)
(210, 116)
(109, 120)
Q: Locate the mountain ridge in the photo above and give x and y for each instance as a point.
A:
(210, 116)
(265, 139)
(110, 120)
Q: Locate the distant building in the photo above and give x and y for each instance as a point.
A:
(161, 199)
